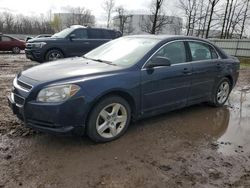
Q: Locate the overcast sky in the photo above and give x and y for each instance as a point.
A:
(36, 7)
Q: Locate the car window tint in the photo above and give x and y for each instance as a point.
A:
(213, 53)
(6, 38)
(80, 34)
(107, 34)
(174, 51)
(200, 51)
(96, 34)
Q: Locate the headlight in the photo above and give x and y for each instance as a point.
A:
(57, 93)
(38, 44)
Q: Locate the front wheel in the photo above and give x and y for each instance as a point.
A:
(221, 93)
(109, 119)
(53, 55)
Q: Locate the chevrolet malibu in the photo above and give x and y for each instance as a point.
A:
(126, 79)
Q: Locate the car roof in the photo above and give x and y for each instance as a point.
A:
(167, 37)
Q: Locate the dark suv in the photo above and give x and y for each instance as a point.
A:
(72, 41)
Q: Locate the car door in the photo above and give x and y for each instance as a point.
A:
(205, 65)
(79, 43)
(1, 45)
(6, 43)
(97, 37)
(168, 86)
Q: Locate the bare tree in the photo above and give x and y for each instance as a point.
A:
(228, 18)
(9, 21)
(157, 20)
(196, 13)
(79, 16)
(19, 24)
(56, 23)
(123, 20)
(238, 16)
(244, 18)
(224, 19)
(1, 23)
(108, 7)
(213, 4)
(189, 7)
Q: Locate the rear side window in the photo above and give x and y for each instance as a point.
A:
(201, 51)
(96, 34)
(108, 34)
(4, 38)
(80, 34)
(174, 51)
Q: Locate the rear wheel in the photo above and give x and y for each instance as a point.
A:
(16, 50)
(53, 55)
(221, 92)
(109, 119)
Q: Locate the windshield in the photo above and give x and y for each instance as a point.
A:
(124, 51)
(64, 33)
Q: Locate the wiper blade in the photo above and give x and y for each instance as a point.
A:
(100, 60)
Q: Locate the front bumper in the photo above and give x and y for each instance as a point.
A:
(61, 119)
(34, 54)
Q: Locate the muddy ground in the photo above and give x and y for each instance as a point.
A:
(198, 146)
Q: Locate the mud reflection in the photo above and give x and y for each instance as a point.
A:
(237, 134)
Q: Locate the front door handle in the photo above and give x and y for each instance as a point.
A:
(187, 71)
(218, 65)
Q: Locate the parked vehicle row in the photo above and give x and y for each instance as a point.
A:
(8, 43)
(125, 79)
(70, 42)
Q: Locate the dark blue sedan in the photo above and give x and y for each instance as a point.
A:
(126, 79)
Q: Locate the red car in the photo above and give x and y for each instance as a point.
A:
(8, 43)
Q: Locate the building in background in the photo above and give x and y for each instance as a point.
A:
(135, 24)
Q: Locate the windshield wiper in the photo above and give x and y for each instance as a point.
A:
(100, 60)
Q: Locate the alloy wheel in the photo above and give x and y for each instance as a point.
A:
(223, 92)
(111, 120)
(54, 56)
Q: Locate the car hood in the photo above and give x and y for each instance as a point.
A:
(44, 39)
(68, 68)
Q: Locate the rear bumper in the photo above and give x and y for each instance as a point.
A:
(60, 119)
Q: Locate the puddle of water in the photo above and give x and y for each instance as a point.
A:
(236, 138)
(8, 76)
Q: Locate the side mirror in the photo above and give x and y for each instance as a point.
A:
(159, 61)
(72, 36)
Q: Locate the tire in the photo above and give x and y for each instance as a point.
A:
(220, 99)
(53, 55)
(109, 119)
(16, 50)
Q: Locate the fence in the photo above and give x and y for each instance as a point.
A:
(234, 47)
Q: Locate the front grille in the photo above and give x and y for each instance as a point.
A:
(18, 99)
(32, 122)
(24, 85)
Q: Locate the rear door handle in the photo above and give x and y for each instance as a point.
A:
(86, 43)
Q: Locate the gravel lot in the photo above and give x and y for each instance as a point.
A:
(198, 146)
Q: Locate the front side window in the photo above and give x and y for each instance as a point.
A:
(201, 51)
(80, 34)
(174, 51)
(107, 34)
